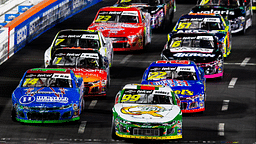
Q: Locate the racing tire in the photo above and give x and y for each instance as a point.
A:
(243, 31)
(144, 43)
(113, 132)
(13, 115)
(83, 105)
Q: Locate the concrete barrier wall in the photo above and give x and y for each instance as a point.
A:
(36, 21)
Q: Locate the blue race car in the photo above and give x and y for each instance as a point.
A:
(48, 96)
(185, 79)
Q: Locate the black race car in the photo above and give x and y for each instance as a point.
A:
(202, 48)
(238, 12)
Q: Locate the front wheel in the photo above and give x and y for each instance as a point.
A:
(113, 131)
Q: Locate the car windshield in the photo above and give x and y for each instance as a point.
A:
(200, 23)
(47, 80)
(220, 2)
(177, 73)
(78, 60)
(117, 17)
(193, 42)
(144, 97)
(83, 41)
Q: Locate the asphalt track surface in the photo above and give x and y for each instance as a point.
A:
(230, 106)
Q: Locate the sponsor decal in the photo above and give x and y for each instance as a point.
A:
(193, 55)
(184, 92)
(172, 83)
(211, 20)
(132, 13)
(201, 104)
(51, 99)
(108, 28)
(142, 109)
(222, 12)
(184, 49)
(27, 99)
(90, 36)
(30, 97)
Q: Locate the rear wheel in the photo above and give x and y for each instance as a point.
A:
(83, 105)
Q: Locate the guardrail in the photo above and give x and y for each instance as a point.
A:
(35, 21)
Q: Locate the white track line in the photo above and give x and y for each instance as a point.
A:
(125, 59)
(225, 105)
(221, 129)
(92, 104)
(82, 127)
(245, 61)
(232, 83)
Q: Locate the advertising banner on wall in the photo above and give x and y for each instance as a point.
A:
(3, 44)
(39, 19)
(47, 18)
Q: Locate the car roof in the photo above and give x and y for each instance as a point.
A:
(48, 70)
(199, 15)
(111, 8)
(75, 50)
(147, 87)
(173, 63)
(77, 31)
(202, 33)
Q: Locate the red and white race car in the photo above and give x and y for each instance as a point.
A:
(128, 27)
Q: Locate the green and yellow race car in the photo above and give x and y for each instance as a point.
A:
(147, 112)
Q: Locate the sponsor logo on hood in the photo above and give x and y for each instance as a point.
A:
(187, 49)
(143, 109)
(43, 96)
(172, 83)
(193, 55)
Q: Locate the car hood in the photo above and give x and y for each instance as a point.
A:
(117, 29)
(147, 113)
(184, 88)
(47, 96)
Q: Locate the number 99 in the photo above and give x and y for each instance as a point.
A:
(130, 98)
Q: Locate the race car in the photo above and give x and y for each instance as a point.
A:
(127, 27)
(202, 48)
(210, 23)
(78, 38)
(161, 11)
(254, 5)
(185, 79)
(48, 96)
(86, 63)
(238, 12)
(146, 112)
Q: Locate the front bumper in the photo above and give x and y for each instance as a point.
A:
(125, 44)
(47, 116)
(213, 69)
(192, 106)
(94, 90)
(157, 132)
(150, 137)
